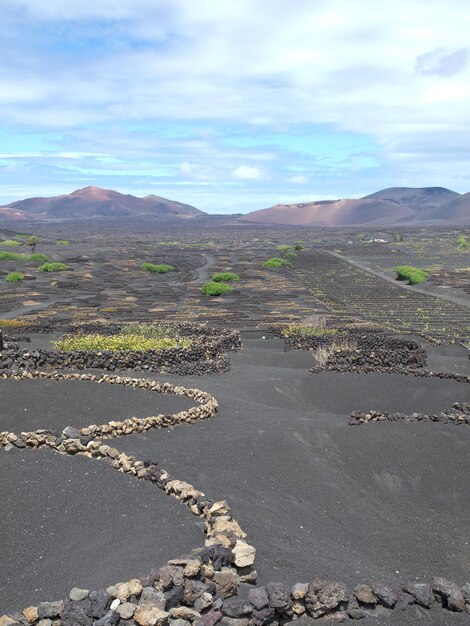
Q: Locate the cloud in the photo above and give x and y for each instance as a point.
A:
(298, 179)
(161, 87)
(442, 62)
(244, 172)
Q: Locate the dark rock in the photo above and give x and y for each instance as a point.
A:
(386, 593)
(258, 597)
(354, 610)
(219, 556)
(99, 603)
(170, 575)
(451, 596)
(236, 607)
(305, 620)
(279, 597)
(422, 593)
(71, 433)
(193, 589)
(209, 619)
(173, 597)
(76, 614)
(259, 617)
(112, 618)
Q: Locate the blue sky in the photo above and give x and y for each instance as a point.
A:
(233, 105)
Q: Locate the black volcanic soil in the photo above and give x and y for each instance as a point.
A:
(317, 497)
(32, 404)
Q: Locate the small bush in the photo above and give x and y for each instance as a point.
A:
(215, 289)
(149, 331)
(38, 257)
(14, 277)
(159, 269)
(117, 343)
(462, 242)
(299, 245)
(284, 248)
(225, 277)
(277, 262)
(10, 256)
(10, 243)
(53, 267)
(413, 275)
(62, 242)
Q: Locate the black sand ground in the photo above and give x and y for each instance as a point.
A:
(31, 404)
(70, 521)
(317, 497)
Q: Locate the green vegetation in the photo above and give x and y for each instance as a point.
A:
(299, 245)
(53, 267)
(277, 262)
(62, 242)
(115, 343)
(11, 256)
(462, 242)
(32, 242)
(149, 331)
(284, 248)
(215, 289)
(304, 330)
(14, 277)
(38, 257)
(225, 277)
(21, 236)
(10, 243)
(158, 269)
(413, 275)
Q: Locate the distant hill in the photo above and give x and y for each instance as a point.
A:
(395, 205)
(457, 209)
(416, 196)
(94, 202)
(335, 213)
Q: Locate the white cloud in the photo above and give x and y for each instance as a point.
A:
(245, 172)
(298, 179)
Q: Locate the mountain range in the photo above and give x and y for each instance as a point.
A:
(94, 202)
(395, 205)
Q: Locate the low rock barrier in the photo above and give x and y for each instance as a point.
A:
(205, 354)
(459, 413)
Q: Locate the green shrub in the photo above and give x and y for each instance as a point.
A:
(284, 248)
(53, 267)
(225, 277)
(159, 269)
(299, 245)
(10, 243)
(290, 254)
(14, 277)
(462, 242)
(277, 262)
(215, 289)
(413, 275)
(10, 256)
(62, 242)
(38, 257)
(115, 343)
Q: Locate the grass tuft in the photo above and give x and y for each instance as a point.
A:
(215, 289)
(161, 268)
(275, 262)
(225, 277)
(14, 277)
(53, 267)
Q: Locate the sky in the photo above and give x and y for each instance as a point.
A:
(233, 105)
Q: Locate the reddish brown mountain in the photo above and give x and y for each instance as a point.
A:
(334, 213)
(93, 202)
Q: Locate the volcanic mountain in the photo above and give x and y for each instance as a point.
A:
(93, 202)
(395, 205)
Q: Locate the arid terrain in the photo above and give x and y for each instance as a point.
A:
(318, 494)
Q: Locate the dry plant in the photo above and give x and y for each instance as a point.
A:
(323, 353)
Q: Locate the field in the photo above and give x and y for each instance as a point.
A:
(383, 505)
